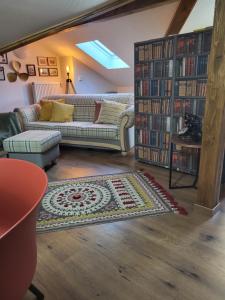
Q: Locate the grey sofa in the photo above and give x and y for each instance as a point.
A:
(82, 131)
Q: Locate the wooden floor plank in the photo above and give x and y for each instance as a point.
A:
(149, 258)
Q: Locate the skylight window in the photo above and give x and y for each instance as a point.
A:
(102, 55)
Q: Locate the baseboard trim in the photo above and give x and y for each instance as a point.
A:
(210, 211)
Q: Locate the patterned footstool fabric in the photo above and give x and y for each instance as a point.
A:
(32, 141)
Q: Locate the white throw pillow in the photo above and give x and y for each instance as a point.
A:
(110, 112)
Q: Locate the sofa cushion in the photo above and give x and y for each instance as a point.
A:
(85, 103)
(79, 129)
(62, 112)
(110, 112)
(46, 109)
(84, 110)
(33, 141)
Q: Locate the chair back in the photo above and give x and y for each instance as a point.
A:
(22, 186)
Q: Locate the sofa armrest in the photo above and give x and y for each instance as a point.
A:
(126, 118)
(28, 113)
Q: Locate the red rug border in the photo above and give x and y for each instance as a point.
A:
(169, 197)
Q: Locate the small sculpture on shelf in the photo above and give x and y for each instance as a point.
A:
(193, 128)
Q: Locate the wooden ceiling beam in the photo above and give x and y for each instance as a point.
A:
(183, 11)
(116, 8)
(78, 20)
(130, 8)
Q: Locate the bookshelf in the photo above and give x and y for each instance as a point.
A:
(170, 79)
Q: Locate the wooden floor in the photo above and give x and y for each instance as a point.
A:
(147, 258)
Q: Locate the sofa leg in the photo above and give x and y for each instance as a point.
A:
(124, 153)
(36, 292)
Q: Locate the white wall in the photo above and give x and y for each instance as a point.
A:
(125, 89)
(119, 35)
(88, 81)
(201, 16)
(64, 62)
(19, 93)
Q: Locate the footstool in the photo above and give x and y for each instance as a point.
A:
(38, 146)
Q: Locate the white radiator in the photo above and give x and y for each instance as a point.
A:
(41, 90)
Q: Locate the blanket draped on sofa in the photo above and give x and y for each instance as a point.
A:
(9, 126)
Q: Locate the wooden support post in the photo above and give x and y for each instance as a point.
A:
(212, 152)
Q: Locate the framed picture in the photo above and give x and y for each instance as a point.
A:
(3, 59)
(53, 71)
(43, 72)
(31, 71)
(42, 61)
(2, 74)
(52, 61)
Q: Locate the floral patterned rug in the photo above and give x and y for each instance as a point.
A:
(107, 198)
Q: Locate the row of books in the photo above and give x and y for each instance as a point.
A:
(191, 88)
(153, 122)
(185, 161)
(155, 50)
(154, 106)
(141, 121)
(206, 41)
(154, 69)
(162, 106)
(153, 138)
(177, 124)
(197, 43)
(182, 161)
(153, 88)
(185, 66)
(186, 45)
(147, 137)
(192, 66)
(193, 106)
(152, 155)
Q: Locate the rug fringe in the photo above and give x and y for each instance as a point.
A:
(173, 204)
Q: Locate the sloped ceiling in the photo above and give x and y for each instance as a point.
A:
(201, 16)
(20, 18)
(119, 35)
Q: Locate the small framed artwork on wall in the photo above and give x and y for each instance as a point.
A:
(3, 59)
(43, 72)
(52, 61)
(2, 74)
(42, 61)
(53, 71)
(31, 71)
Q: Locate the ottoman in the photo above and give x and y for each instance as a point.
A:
(38, 146)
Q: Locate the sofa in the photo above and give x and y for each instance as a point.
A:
(82, 131)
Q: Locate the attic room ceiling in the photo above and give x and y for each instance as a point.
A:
(117, 34)
(23, 18)
(26, 21)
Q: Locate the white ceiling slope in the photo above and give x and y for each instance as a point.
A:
(20, 18)
(201, 16)
(119, 35)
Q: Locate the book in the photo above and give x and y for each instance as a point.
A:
(170, 80)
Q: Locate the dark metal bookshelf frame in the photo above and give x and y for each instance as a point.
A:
(197, 53)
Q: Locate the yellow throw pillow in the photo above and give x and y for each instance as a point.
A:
(62, 112)
(46, 109)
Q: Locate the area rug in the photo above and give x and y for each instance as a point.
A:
(107, 198)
